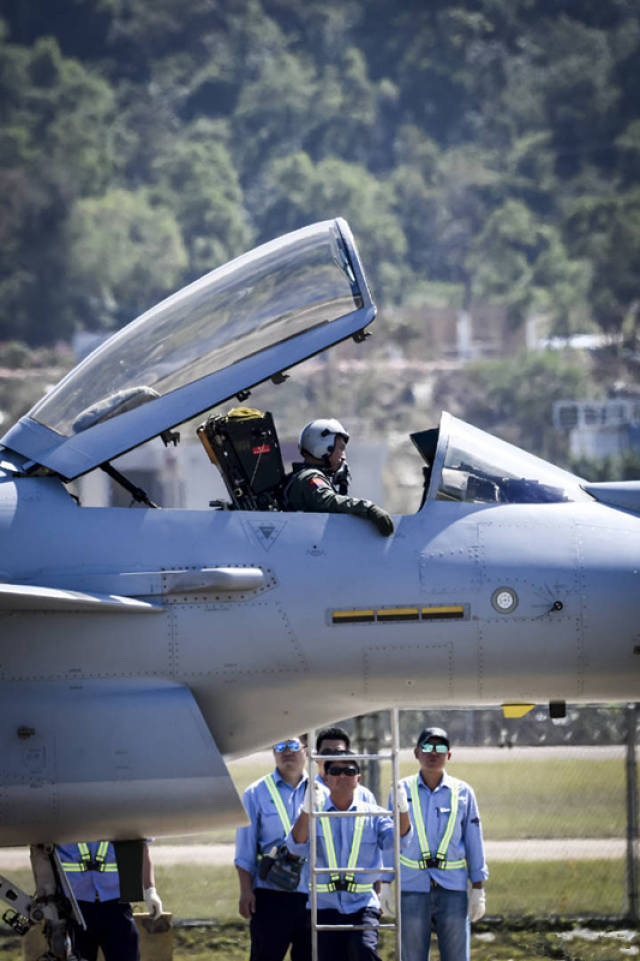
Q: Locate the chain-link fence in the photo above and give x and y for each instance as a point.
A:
(558, 800)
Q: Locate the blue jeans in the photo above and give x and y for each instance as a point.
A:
(447, 910)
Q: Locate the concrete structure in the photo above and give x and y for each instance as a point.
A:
(599, 428)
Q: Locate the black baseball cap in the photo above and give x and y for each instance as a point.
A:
(429, 732)
(344, 757)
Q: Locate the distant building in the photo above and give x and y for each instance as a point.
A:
(599, 428)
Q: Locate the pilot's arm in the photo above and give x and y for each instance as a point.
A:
(312, 491)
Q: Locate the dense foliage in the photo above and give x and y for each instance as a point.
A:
(489, 144)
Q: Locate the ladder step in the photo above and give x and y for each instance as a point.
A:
(351, 757)
(349, 870)
(376, 813)
(353, 927)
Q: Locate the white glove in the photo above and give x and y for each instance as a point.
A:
(387, 900)
(307, 799)
(402, 800)
(153, 903)
(477, 904)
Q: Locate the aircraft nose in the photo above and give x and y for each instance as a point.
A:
(609, 586)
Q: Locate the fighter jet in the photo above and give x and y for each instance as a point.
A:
(140, 648)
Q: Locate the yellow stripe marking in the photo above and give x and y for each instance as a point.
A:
(353, 615)
(516, 710)
(398, 612)
(385, 614)
(455, 610)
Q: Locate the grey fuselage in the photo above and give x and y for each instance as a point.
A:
(276, 659)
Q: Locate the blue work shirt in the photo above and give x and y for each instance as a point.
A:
(266, 829)
(90, 885)
(377, 836)
(466, 840)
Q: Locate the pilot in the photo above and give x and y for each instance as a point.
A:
(322, 444)
(445, 853)
(92, 872)
(348, 898)
(273, 884)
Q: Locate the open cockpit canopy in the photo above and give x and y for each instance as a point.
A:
(237, 326)
(467, 464)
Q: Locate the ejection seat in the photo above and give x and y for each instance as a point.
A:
(243, 444)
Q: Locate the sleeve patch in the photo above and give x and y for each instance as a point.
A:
(317, 482)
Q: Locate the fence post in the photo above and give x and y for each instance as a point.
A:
(632, 813)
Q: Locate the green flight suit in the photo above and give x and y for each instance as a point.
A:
(311, 490)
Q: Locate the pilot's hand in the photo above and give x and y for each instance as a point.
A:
(381, 519)
(247, 904)
(387, 900)
(477, 904)
(153, 902)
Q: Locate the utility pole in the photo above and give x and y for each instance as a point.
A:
(632, 813)
(368, 736)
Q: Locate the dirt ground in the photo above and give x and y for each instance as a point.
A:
(495, 940)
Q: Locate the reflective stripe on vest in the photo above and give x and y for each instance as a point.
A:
(279, 803)
(280, 808)
(440, 860)
(349, 884)
(85, 863)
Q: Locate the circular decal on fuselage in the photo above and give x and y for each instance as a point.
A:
(504, 600)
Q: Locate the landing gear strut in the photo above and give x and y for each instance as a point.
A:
(53, 903)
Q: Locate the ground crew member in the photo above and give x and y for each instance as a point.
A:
(322, 444)
(92, 872)
(446, 850)
(273, 885)
(355, 843)
(335, 740)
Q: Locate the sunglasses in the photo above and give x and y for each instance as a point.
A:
(427, 748)
(347, 771)
(293, 745)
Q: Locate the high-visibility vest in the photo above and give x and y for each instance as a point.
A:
(279, 803)
(336, 882)
(280, 808)
(440, 859)
(86, 863)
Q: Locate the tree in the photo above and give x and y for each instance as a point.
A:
(199, 183)
(57, 143)
(523, 263)
(605, 229)
(513, 398)
(297, 192)
(125, 254)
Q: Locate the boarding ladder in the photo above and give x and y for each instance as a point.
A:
(314, 870)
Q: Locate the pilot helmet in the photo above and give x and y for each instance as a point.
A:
(318, 438)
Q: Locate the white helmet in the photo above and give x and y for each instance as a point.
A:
(318, 438)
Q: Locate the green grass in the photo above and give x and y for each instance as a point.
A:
(229, 941)
(538, 888)
(202, 891)
(549, 798)
(543, 888)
